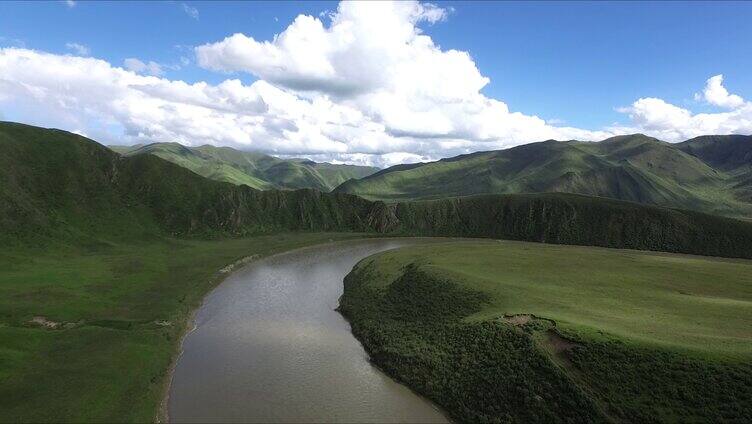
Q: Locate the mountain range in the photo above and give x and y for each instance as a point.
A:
(711, 173)
(59, 188)
(257, 170)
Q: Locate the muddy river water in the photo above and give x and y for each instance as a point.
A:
(269, 347)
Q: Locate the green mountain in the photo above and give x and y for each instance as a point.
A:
(255, 170)
(56, 186)
(635, 168)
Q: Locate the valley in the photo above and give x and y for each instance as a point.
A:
(106, 257)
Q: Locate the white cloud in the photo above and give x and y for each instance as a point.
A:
(78, 49)
(369, 87)
(70, 3)
(190, 10)
(375, 59)
(716, 94)
(668, 122)
(148, 68)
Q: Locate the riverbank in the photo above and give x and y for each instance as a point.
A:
(120, 307)
(530, 332)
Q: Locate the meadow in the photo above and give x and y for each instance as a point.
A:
(109, 320)
(579, 333)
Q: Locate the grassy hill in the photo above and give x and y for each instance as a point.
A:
(255, 170)
(635, 168)
(521, 332)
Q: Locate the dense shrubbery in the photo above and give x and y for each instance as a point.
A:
(579, 220)
(493, 372)
(641, 385)
(478, 372)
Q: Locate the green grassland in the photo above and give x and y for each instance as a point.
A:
(253, 169)
(119, 310)
(636, 168)
(647, 336)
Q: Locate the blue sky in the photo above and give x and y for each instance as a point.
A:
(572, 64)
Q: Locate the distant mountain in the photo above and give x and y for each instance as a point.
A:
(256, 170)
(709, 174)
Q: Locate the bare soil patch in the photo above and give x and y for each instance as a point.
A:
(44, 322)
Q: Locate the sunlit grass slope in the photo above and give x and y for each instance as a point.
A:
(253, 169)
(693, 303)
(635, 168)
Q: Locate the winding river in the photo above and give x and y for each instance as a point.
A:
(269, 347)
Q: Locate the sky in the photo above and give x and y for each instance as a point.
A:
(376, 83)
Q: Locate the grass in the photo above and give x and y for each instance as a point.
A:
(108, 360)
(679, 301)
(646, 336)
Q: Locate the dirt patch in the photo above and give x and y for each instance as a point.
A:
(518, 320)
(44, 322)
(558, 343)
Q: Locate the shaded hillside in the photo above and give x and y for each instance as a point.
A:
(256, 170)
(635, 168)
(61, 187)
(562, 218)
(724, 152)
(58, 185)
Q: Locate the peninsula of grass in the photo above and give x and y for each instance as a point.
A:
(88, 335)
(501, 331)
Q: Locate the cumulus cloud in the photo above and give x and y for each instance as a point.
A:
(190, 10)
(669, 122)
(716, 94)
(367, 87)
(77, 48)
(374, 58)
(148, 68)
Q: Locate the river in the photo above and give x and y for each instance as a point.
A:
(269, 347)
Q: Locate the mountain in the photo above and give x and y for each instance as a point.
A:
(61, 188)
(255, 170)
(636, 168)
(730, 153)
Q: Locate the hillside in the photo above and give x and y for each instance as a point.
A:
(255, 170)
(634, 168)
(56, 186)
(61, 186)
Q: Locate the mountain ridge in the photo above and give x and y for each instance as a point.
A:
(631, 167)
(61, 188)
(254, 169)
